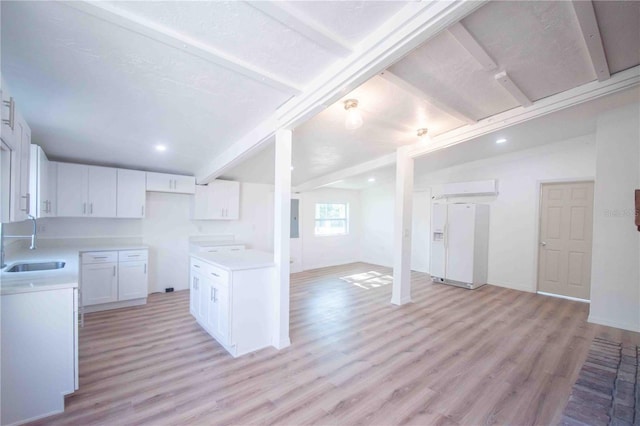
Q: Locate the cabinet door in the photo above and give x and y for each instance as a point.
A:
(217, 199)
(99, 283)
(38, 182)
(184, 184)
(72, 190)
(132, 280)
(102, 194)
(232, 197)
(159, 182)
(52, 185)
(213, 311)
(20, 170)
(200, 203)
(132, 195)
(194, 292)
(204, 302)
(220, 312)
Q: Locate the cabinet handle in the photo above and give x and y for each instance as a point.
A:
(194, 283)
(215, 294)
(11, 103)
(215, 275)
(142, 211)
(100, 257)
(84, 208)
(145, 268)
(114, 270)
(196, 266)
(211, 296)
(27, 202)
(197, 283)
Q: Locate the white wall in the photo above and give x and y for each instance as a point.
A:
(615, 276)
(321, 251)
(167, 228)
(514, 217)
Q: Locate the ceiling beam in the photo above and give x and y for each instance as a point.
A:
(358, 169)
(516, 93)
(419, 93)
(140, 25)
(471, 45)
(413, 25)
(578, 95)
(302, 24)
(591, 34)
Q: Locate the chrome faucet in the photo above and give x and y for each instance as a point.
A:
(32, 236)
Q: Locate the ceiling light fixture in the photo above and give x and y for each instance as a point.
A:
(354, 118)
(161, 148)
(371, 179)
(501, 140)
(423, 134)
(292, 168)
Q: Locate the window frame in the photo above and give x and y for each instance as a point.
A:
(316, 219)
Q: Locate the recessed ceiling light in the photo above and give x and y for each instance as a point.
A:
(161, 148)
(371, 179)
(501, 140)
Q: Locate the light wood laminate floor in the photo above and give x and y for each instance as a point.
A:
(453, 356)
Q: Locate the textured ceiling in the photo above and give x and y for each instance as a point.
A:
(96, 92)
(99, 93)
(539, 44)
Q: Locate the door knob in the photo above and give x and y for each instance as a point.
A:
(543, 244)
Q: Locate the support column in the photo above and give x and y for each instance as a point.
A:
(281, 238)
(401, 292)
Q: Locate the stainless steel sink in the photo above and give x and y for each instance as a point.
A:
(39, 266)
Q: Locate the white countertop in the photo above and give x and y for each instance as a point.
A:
(237, 260)
(23, 282)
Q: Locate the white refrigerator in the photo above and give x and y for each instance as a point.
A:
(460, 244)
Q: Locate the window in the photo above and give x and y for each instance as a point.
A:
(332, 219)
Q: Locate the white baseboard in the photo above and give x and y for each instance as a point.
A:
(612, 323)
(283, 343)
(560, 296)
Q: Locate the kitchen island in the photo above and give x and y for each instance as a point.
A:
(232, 298)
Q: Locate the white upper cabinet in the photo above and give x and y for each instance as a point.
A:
(219, 200)
(40, 189)
(162, 182)
(102, 195)
(132, 195)
(86, 191)
(72, 187)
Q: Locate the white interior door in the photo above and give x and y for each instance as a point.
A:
(459, 242)
(566, 228)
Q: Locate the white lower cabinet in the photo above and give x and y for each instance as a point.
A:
(39, 353)
(99, 283)
(232, 305)
(113, 279)
(132, 280)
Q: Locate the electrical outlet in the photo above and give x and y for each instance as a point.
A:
(168, 290)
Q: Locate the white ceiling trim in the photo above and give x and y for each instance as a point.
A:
(587, 92)
(411, 26)
(358, 169)
(413, 90)
(169, 37)
(512, 88)
(591, 34)
(303, 25)
(471, 45)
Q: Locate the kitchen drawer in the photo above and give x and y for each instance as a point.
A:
(199, 265)
(132, 255)
(218, 274)
(99, 257)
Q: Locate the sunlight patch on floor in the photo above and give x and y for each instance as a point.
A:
(368, 280)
